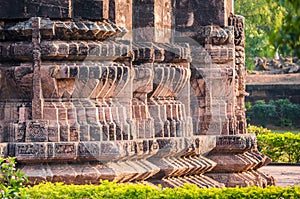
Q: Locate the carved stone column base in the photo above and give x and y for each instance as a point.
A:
(207, 161)
(89, 172)
(199, 180)
(243, 179)
(237, 161)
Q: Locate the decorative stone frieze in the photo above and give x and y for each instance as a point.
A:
(127, 91)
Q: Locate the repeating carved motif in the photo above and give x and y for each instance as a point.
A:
(36, 131)
(30, 150)
(83, 98)
(238, 23)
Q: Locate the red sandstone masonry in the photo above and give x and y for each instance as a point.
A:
(127, 91)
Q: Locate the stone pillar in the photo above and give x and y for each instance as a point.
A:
(152, 20)
(37, 106)
(239, 40)
(196, 13)
(213, 70)
(119, 12)
(205, 24)
(215, 12)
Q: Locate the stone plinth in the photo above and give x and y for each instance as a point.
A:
(120, 90)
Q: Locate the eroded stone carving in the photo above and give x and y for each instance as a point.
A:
(113, 94)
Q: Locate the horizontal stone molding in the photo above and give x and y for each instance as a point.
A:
(79, 29)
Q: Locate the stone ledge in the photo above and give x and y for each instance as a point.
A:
(62, 30)
(279, 79)
(89, 172)
(243, 179)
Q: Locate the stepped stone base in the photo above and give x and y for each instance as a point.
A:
(227, 161)
(129, 91)
(199, 180)
(243, 179)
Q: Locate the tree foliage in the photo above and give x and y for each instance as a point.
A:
(270, 25)
(287, 38)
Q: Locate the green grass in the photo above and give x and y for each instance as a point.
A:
(280, 130)
(285, 131)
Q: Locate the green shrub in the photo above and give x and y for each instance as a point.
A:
(113, 190)
(280, 147)
(262, 113)
(258, 130)
(287, 113)
(280, 112)
(11, 180)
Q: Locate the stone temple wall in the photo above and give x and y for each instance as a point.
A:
(126, 90)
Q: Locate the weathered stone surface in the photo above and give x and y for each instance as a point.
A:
(199, 180)
(249, 178)
(104, 89)
(192, 13)
(58, 9)
(80, 29)
(152, 20)
(285, 176)
(89, 9)
(237, 163)
(44, 8)
(272, 87)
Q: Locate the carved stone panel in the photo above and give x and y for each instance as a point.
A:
(129, 91)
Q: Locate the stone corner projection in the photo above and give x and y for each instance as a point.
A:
(129, 91)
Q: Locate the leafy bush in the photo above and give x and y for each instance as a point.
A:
(280, 147)
(11, 180)
(114, 190)
(280, 112)
(261, 113)
(286, 113)
(258, 130)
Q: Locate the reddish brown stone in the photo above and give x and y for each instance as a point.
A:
(81, 100)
